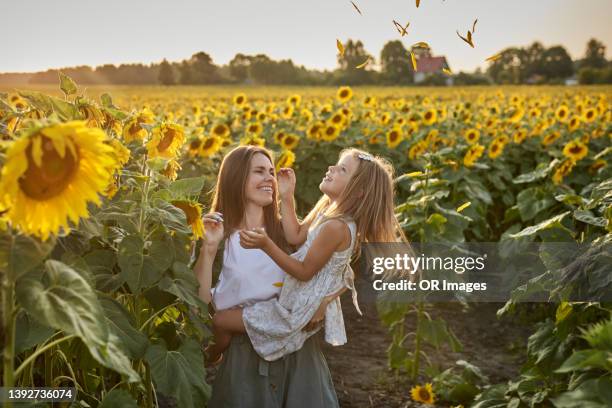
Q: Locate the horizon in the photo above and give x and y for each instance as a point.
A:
(277, 29)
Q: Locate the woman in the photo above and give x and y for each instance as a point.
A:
(246, 198)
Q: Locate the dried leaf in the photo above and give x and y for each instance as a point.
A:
(467, 40)
(356, 8)
(340, 47)
(363, 64)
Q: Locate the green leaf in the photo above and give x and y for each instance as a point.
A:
(183, 285)
(19, 253)
(594, 393)
(180, 373)
(131, 261)
(584, 360)
(541, 171)
(29, 332)
(532, 201)
(118, 398)
(120, 322)
(187, 187)
(106, 100)
(588, 218)
(546, 224)
(67, 85)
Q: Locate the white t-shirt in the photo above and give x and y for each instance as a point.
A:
(247, 276)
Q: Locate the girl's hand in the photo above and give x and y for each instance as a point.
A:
(319, 316)
(253, 239)
(286, 182)
(213, 224)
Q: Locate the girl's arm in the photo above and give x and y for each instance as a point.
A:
(203, 267)
(295, 231)
(334, 235)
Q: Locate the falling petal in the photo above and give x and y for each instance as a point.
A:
(421, 44)
(356, 8)
(474, 26)
(363, 64)
(278, 284)
(493, 58)
(469, 37)
(340, 47)
(418, 2)
(401, 29)
(447, 71)
(414, 62)
(414, 174)
(467, 40)
(463, 206)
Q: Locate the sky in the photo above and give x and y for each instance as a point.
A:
(45, 34)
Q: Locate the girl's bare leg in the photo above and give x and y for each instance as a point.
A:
(225, 323)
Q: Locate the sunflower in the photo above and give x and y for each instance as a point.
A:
(472, 154)
(589, 115)
(519, 136)
(193, 214)
(369, 101)
(516, 114)
(429, 117)
(290, 141)
(563, 170)
(286, 159)
(597, 164)
(253, 140)
(423, 394)
(220, 130)
(574, 123)
(166, 141)
(240, 99)
(314, 131)
(262, 116)
(496, 148)
(306, 115)
(417, 149)
(472, 135)
(534, 112)
(562, 113)
(172, 168)
(344, 94)
(49, 177)
(254, 128)
(330, 133)
(337, 119)
(278, 136)
(551, 138)
(194, 147)
(575, 150)
(294, 100)
(133, 131)
(385, 118)
(121, 153)
(210, 145)
(394, 137)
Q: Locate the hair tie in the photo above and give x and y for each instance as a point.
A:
(365, 156)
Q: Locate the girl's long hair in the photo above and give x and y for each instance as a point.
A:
(230, 193)
(367, 199)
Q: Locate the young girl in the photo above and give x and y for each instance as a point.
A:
(357, 206)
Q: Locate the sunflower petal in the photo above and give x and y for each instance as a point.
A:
(340, 46)
(418, 2)
(463, 206)
(414, 62)
(447, 71)
(474, 26)
(37, 152)
(363, 64)
(421, 44)
(495, 57)
(356, 8)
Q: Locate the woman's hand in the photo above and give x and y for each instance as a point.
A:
(319, 316)
(254, 239)
(286, 183)
(213, 224)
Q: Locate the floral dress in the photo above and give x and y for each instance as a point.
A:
(275, 326)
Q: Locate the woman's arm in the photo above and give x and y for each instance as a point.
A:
(295, 231)
(203, 267)
(334, 235)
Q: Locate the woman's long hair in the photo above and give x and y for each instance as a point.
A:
(367, 199)
(230, 195)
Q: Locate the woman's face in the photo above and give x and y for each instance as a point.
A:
(337, 177)
(260, 183)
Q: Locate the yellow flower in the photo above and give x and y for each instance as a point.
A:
(417, 149)
(240, 99)
(306, 115)
(597, 164)
(171, 170)
(290, 141)
(220, 130)
(286, 159)
(314, 131)
(423, 394)
(337, 119)
(330, 133)
(472, 136)
(194, 147)
(472, 154)
(344, 94)
(495, 149)
(394, 137)
(287, 111)
(369, 101)
(589, 115)
(133, 131)
(145, 116)
(210, 145)
(121, 153)
(429, 117)
(193, 213)
(294, 100)
(520, 136)
(562, 113)
(550, 138)
(253, 140)
(563, 170)
(575, 150)
(278, 136)
(51, 175)
(166, 141)
(573, 124)
(254, 128)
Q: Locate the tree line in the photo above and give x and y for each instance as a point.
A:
(533, 64)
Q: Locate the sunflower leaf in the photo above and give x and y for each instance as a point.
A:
(67, 84)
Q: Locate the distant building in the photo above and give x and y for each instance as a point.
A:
(428, 65)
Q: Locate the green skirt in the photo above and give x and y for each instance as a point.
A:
(300, 379)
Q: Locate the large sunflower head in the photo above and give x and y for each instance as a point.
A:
(166, 141)
(286, 159)
(220, 130)
(330, 133)
(210, 145)
(429, 117)
(394, 137)
(423, 394)
(51, 175)
(240, 99)
(294, 100)
(133, 131)
(193, 213)
(575, 150)
(471, 136)
(472, 154)
(290, 141)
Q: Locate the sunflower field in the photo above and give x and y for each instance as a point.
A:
(102, 193)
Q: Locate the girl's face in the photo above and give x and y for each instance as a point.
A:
(260, 183)
(337, 177)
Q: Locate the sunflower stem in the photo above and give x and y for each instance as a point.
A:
(417, 342)
(8, 326)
